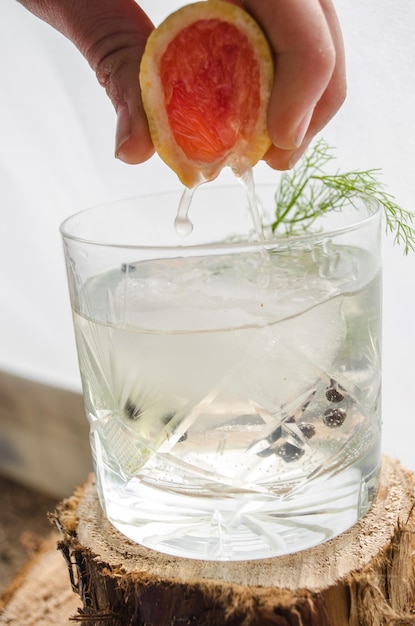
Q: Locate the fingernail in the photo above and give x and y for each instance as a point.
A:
(302, 128)
(123, 129)
(297, 154)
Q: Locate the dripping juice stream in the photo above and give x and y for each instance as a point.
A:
(184, 226)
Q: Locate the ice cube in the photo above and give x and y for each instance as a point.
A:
(286, 359)
(218, 292)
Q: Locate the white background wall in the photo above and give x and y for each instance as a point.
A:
(56, 157)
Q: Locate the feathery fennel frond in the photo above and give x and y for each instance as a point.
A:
(307, 192)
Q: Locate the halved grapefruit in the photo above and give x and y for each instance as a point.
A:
(206, 76)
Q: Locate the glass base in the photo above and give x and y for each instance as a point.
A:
(242, 527)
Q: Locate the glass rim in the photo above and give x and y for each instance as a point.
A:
(280, 240)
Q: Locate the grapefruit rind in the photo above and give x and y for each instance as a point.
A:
(248, 151)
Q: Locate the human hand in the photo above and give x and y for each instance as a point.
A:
(111, 35)
(309, 84)
(310, 77)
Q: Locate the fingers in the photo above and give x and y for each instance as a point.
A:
(310, 83)
(111, 35)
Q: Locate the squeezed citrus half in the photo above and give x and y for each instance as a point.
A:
(206, 76)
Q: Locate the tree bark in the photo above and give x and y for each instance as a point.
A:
(365, 577)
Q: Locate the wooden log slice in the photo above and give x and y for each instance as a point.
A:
(365, 577)
(40, 594)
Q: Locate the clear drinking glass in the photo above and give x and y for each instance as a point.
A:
(231, 382)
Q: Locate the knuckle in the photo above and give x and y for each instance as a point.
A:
(115, 70)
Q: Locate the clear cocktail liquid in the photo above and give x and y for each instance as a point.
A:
(234, 398)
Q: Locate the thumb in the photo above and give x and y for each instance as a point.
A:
(111, 35)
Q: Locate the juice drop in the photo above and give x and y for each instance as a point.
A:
(182, 223)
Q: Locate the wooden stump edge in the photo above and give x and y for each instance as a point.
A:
(122, 583)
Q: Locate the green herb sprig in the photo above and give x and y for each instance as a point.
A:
(307, 192)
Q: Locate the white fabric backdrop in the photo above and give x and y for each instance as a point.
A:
(56, 157)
